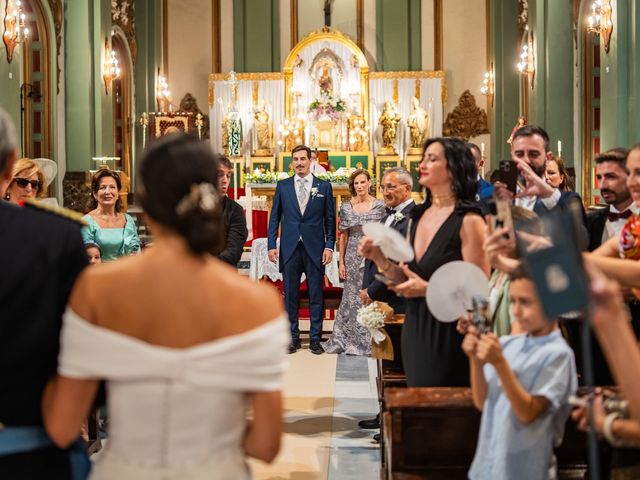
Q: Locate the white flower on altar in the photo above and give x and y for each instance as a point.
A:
(283, 175)
(398, 216)
(314, 192)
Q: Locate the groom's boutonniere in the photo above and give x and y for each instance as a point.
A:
(398, 216)
(314, 192)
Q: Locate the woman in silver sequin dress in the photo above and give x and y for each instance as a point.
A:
(348, 335)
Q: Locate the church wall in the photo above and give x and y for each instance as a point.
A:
(465, 53)
(256, 38)
(10, 80)
(285, 30)
(398, 35)
(550, 100)
(504, 56)
(226, 35)
(427, 43)
(370, 18)
(189, 48)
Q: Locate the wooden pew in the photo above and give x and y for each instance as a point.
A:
(431, 433)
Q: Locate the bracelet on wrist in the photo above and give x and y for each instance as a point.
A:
(607, 429)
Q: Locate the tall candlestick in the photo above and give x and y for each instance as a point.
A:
(559, 148)
(482, 149)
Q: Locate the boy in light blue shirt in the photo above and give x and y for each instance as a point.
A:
(521, 384)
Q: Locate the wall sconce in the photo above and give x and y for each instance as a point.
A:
(163, 95)
(15, 31)
(599, 21)
(526, 65)
(488, 84)
(111, 68)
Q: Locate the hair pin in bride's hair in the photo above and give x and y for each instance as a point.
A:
(202, 196)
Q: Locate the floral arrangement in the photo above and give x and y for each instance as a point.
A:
(372, 317)
(327, 106)
(258, 176)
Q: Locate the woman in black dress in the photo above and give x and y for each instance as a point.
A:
(446, 227)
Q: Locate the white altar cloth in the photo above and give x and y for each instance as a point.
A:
(261, 266)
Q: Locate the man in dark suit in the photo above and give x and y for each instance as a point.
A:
(41, 253)
(303, 207)
(235, 223)
(396, 186)
(611, 178)
(485, 189)
(530, 150)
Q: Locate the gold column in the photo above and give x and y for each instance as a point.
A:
(437, 32)
(216, 54)
(294, 22)
(360, 23)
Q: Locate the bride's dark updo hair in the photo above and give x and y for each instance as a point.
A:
(177, 180)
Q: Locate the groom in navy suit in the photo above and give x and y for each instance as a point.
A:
(303, 207)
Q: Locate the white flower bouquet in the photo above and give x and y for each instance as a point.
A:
(372, 317)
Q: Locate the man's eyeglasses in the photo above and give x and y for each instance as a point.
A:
(23, 182)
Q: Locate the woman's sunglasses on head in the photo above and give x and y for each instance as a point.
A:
(23, 182)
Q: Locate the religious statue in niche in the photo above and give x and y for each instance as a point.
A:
(389, 121)
(326, 82)
(419, 126)
(263, 127)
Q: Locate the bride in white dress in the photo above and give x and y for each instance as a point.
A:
(186, 346)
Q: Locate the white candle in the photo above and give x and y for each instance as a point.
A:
(559, 148)
(482, 149)
(235, 179)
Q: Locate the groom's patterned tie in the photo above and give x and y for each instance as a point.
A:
(303, 195)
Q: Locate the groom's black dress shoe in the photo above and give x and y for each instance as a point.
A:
(294, 346)
(371, 423)
(316, 348)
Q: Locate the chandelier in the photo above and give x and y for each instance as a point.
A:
(111, 68)
(599, 21)
(526, 64)
(163, 94)
(16, 31)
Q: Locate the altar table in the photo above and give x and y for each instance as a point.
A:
(261, 266)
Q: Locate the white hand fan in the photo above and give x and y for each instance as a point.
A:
(390, 241)
(452, 287)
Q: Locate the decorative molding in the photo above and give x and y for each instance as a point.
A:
(165, 38)
(407, 74)
(466, 120)
(294, 22)
(123, 14)
(57, 12)
(360, 23)
(216, 36)
(438, 33)
(247, 76)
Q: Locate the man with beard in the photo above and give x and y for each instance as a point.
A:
(611, 177)
(530, 150)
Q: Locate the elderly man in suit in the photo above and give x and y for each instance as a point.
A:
(303, 208)
(396, 186)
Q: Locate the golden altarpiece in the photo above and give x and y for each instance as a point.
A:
(327, 98)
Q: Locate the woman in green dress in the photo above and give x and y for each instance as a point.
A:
(115, 232)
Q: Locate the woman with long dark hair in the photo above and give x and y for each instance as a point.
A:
(446, 227)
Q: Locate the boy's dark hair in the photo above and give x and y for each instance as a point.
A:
(616, 155)
(520, 273)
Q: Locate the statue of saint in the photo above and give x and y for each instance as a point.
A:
(326, 82)
(264, 129)
(389, 122)
(418, 123)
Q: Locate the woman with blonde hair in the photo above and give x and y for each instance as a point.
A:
(27, 181)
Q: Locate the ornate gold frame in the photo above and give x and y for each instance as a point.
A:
(318, 36)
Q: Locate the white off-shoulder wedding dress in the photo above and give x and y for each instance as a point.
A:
(174, 413)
